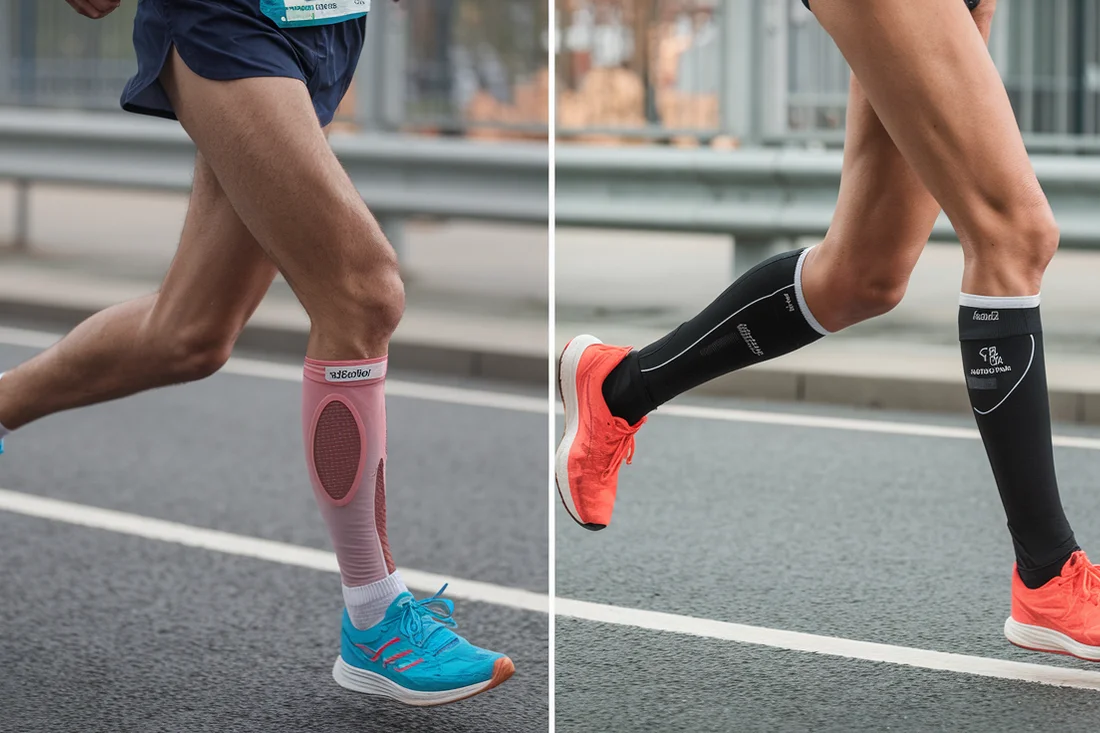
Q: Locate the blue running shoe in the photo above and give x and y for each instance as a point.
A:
(414, 657)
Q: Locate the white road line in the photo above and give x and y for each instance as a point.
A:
(232, 544)
(289, 373)
(852, 424)
(304, 557)
(830, 645)
(397, 388)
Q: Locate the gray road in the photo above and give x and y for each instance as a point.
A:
(891, 539)
(105, 632)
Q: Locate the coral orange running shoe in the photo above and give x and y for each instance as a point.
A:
(596, 442)
(1063, 616)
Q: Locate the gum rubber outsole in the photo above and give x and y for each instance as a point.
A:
(591, 527)
(369, 683)
(1039, 639)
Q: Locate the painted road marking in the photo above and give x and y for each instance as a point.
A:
(232, 544)
(304, 557)
(852, 424)
(829, 645)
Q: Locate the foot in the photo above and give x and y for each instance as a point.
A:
(596, 442)
(1062, 616)
(414, 657)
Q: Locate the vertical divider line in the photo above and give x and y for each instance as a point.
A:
(551, 417)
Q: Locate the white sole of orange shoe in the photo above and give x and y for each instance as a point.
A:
(568, 363)
(1040, 639)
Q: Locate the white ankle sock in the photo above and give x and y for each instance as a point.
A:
(367, 604)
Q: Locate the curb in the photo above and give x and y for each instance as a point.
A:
(529, 369)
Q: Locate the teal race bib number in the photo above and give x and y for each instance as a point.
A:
(296, 13)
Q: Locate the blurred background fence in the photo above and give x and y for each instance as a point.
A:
(456, 67)
(744, 72)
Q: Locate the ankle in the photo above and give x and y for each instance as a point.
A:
(625, 392)
(367, 604)
(1037, 574)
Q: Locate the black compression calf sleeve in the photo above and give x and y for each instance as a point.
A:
(761, 316)
(1002, 350)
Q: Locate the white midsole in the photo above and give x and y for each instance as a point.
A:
(567, 369)
(1048, 640)
(370, 683)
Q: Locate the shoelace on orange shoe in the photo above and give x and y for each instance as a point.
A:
(624, 450)
(1089, 585)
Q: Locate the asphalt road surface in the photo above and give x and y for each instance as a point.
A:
(107, 631)
(860, 535)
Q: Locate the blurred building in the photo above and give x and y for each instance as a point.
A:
(753, 71)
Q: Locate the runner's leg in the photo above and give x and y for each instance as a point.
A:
(182, 333)
(883, 218)
(933, 84)
(295, 197)
(263, 141)
(882, 221)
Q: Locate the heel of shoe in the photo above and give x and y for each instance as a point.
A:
(568, 363)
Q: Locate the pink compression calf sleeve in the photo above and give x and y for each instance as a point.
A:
(344, 425)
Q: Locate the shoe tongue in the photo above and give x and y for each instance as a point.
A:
(397, 606)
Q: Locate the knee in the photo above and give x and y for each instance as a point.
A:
(1013, 245)
(193, 351)
(202, 351)
(371, 300)
(1040, 235)
(851, 288)
(872, 294)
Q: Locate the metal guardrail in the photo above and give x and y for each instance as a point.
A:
(762, 197)
(398, 175)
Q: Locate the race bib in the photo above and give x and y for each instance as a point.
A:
(296, 13)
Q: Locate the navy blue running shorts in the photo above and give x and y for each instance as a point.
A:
(231, 39)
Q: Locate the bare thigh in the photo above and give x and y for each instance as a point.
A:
(929, 78)
(882, 222)
(218, 276)
(262, 139)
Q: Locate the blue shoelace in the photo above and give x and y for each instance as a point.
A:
(429, 615)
